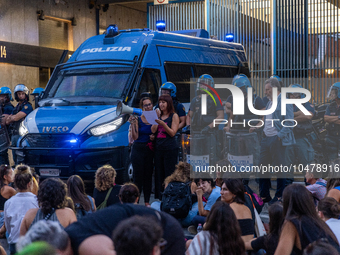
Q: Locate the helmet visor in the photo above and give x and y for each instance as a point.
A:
(333, 93)
(165, 92)
(203, 82)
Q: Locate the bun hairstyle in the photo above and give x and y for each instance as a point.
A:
(329, 207)
(23, 176)
(128, 193)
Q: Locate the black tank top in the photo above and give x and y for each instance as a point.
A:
(164, 141)
(2, 202)
(309, 232)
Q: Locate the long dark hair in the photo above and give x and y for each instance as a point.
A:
(332, 183)
(76, 191)
(224, 229)
(4, 170)
(276, 218)
(170, 105)
(298, 202)
(236, 187)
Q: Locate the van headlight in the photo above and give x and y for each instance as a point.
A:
(107, 127)
(22, 129)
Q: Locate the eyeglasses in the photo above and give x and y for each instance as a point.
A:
(147, 105)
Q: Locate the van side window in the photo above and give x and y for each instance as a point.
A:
(150, 82)
(180, 74)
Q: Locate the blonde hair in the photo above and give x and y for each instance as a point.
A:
(104, 177)
(181, 174)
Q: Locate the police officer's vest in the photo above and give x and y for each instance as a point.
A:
(332, 128)
(14, 126)
(303, 128)
(3, 108)
(246, 118)
(199, 120)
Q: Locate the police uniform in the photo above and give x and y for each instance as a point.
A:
(332, 140)
(199, 121)
(302, 151)
(25, 107)
(248, 115)
(7, 108)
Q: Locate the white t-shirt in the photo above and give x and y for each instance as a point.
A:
(269, 128)
(15, 210)
(334, 225)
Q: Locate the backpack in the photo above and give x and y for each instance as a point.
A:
(176, 199)
(80, 211)
(255, 199)
(104, 203)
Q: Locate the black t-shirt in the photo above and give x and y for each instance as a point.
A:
(99, 196)
(268, 243)
(103, 222)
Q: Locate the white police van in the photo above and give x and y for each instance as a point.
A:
(76, 129)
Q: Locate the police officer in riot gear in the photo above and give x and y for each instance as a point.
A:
(19, 113)
(36, 93)
(169, 88)
(6, 110)
(332, 117)
(242, 82)
(302, 151)
(195, 118)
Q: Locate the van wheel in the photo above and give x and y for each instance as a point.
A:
(130, 172)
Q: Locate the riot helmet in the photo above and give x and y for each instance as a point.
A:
(334, 91)
(37, 92)
(204, 80)
(276, 77)
(301, 95)
(22, 88)
(242, 82)
(6, 91)
(169, 87)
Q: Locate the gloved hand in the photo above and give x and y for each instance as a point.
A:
(186, 129)
(205, 130)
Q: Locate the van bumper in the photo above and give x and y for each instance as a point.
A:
(69, 161)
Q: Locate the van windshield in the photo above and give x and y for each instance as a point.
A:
(96, 83)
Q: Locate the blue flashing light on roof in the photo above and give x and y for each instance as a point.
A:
(160, 25)
(111, 31)
(73, 141)
(229, 37)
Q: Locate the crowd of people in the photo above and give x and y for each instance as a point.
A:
(52, 217)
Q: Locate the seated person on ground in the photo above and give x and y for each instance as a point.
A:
(138, 235)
